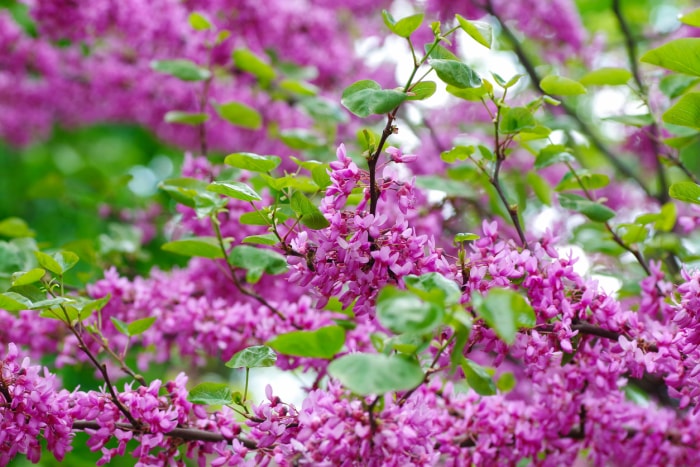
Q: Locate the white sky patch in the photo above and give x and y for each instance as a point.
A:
(287, 385)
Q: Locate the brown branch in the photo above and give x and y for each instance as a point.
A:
(187, 434)
(593, 330)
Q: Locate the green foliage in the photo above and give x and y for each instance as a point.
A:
(685, 191)
(247, 61)
(367, 374)
(606, 77)
(252, 162)
(480, 31)
(134, 328)
(403, 311)
(205, 247)
(211, 394)
(478, 378)
(593, 210)
(366, 97)
(240, 114)
(455, 73)
(323, 343)
(257, 261)
(403, 27)
(307, 211)
(186, 118)
(561, 86)
(679, 55)
(505, 311)
(183, 69)
(253, 357)
(234, 189)
(685, 112)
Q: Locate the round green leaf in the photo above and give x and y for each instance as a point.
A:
(199, 21)
(309, 214)
(252, 162)
(211, 394)
(606, 76)
(15, 227)
(367, 374)
(403, 311)
(685, 112)
(366, 97)
(434, 287)
(205, 247)
(240, 114)
(185, 70)
(257, 261)
(680, 55)
(478, 378)
(185, 118)
(234, 189)
(422, 90)
(246, 60)
(323, 343)
(559, 85)
(253, 357)
(505, 311)
(480, 31)
(685, 191)
(455, 73)
(29, 277)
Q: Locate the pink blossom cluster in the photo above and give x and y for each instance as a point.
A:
(362, 251)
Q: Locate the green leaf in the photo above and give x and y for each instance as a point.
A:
(366, 97)
(606, 77)
(185, 118)
(246, 60)
(367, 374)
(120, 325)
(324, 110)
(29, 277)
(321, 343)
(478, 378)
(685, 112)
(506, 382)
(309, 214)
(480, 31)
(685, 191)
(515, 119)
(638, 120)
(680, 55)
(234, 189)
(439, 52)
(257, 261)
(594, 211)
(267, 239)
(457, 153)
(553, 154)
(257, 356)
(632, 233)
(403, 27)
(674, 85)
(205, 247)
(403, 311)
(140, 326)
(455, 73)
(240, 114)
(540, 187)
(422, 90)
(300, 88)
(469, 94)
(11, 301)
(58, 263)
(184, 190)
(559, 85)
(466, 237)
(252, 162)
(691, 18)
(300, 139)
(434, 287)
(199, 21)
(15, 227)
(505, 311)
(211, 394)
(185, 70)
(589, 181)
